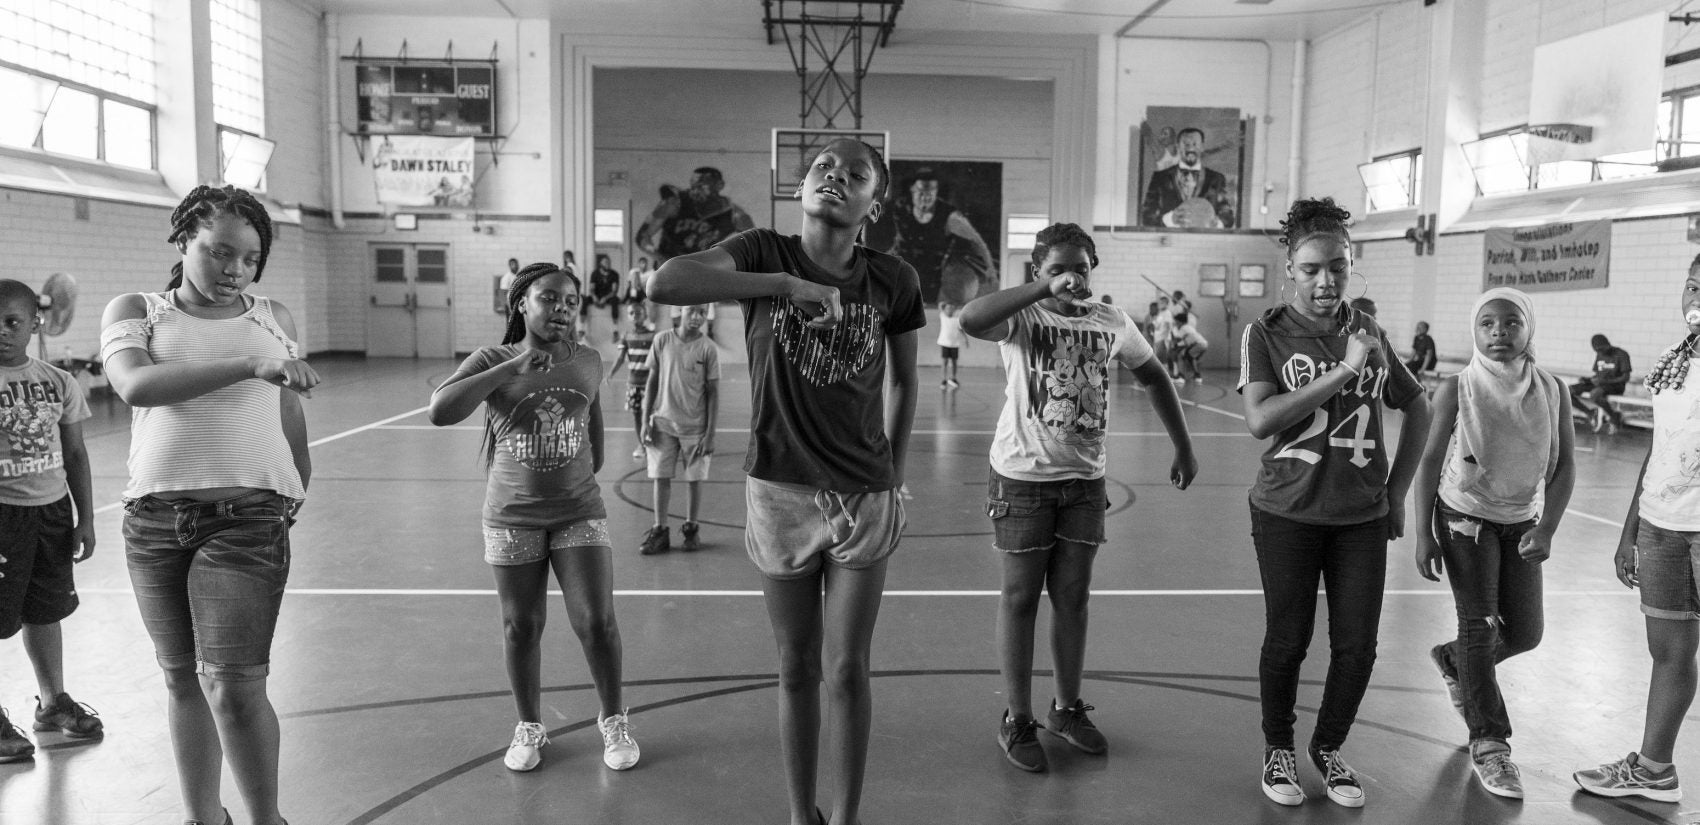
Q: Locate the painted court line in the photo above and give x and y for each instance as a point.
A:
(360, 591)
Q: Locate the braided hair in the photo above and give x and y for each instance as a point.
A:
(523, 280)
(204, 203)
(1309, 217)
(1671, 370)
(1063, 234)
(882, 172)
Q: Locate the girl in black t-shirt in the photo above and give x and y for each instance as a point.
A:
(824, 318)
(1314, 377)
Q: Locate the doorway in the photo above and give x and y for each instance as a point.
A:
(410, 310)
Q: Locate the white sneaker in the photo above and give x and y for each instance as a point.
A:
(526, 752)
(619, 750)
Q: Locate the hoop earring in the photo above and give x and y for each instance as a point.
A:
(1360, 276)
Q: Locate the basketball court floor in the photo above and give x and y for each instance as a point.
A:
(388, 678)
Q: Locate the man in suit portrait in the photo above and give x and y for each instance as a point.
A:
(1187, 195)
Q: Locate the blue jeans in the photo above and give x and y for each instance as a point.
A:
(1351, 562)
(1498, 595)
(209, 579)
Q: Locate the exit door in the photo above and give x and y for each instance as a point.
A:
(409, 316)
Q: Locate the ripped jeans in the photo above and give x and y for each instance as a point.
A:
(1498, 596)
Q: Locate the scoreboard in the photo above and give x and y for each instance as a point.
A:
(450, 98)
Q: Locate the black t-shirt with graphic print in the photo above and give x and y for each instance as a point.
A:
(819, 395)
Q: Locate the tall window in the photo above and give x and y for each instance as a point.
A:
(239, 99)
(87, 76)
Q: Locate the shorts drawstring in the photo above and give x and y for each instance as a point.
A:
(825, 500)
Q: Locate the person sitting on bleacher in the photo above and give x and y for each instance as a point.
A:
(1423, 357)
(1611, 377)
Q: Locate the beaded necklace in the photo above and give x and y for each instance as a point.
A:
(1672, 367)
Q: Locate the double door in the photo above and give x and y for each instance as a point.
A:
(410, 315)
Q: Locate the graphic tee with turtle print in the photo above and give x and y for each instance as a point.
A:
(542, 476)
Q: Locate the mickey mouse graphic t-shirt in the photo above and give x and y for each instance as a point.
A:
(819, 394)
(542, 476)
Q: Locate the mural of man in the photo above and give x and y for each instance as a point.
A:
(935, 237)
(691, 220)
(1187, 195)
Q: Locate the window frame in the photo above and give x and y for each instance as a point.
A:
(101, 97)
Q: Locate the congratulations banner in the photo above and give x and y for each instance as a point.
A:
(423, 171)
(1551, 258)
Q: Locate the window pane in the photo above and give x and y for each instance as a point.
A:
(72, 124)
(612, 218)
(23, 103)
(108, 45)
(129, 135)
(1564, 173)
(238, 96)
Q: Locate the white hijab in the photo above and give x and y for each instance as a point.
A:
(1505, 446)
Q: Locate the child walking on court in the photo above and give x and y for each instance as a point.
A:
(543, 509)
(1500, 438)
(1661, 533)
(46, 517)
(951, 343)
(1326, 501)
(1187, 346)
(1046, 495)
(827, 320)
(680, 406)
(634, 356)
(219, 468)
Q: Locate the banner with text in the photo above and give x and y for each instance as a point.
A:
(423, 171)
(1551, 258)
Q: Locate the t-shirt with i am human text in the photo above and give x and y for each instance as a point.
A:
(542, 476)
(1330, 467)
(819, 394)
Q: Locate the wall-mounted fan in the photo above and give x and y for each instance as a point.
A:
(58, 302)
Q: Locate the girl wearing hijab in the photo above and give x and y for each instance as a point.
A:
(1500, 439)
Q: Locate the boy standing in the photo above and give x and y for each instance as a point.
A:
(634, 356)
(951, 342)
(41, 536)
(680, 405)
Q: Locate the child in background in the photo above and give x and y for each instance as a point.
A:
(634, 356)
(826, 320)
(542, 508)
(1500, 437)
(1161, 324)
(1046, 495)
(951, 342)
(1422, 351)
(1661, 532)
(1187, 345)
(681, 403)
(46, 517)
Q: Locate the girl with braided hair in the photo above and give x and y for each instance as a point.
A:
(542, 508)
(1661, 534)
(218, 469)
(1313, 377)
(1046, 493)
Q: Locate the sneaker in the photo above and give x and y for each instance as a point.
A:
(1499, 776)
(1071, 724)
(1341, 780)
(1597, 420)
(1281, 776)
(1447, 675)
(14, 745)
(953, 383)
(689, 531)
(68, 716)
(619, 750)
(637, 454)
(657, 540)
(1020, 743)
(1627, 777)
(526, 752)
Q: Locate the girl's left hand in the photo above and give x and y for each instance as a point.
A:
(1396, 518)
(1535, 547)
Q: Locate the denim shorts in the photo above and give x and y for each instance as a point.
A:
(669, 451)
(37, 545)
(1035, 515)
(793, 529)
(209, 579)
(1665, 564)
(510, 546)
